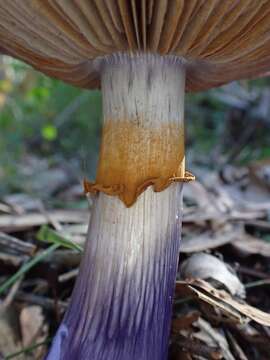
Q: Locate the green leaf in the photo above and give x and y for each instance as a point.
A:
(49, 132)
(48, 235)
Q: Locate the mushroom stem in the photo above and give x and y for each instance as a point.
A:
(121, 304)
(143, 124)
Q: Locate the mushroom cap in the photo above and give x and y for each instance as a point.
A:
(220, 40)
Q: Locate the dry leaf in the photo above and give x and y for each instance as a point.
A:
(9, 332)
(251, 245)
(220, 299)
(31, 320)
(211, 239)
(205, 266)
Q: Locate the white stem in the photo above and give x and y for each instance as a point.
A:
(121, 304)
(146, 86)
(143, 127)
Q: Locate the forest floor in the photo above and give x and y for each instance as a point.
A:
(222, 296)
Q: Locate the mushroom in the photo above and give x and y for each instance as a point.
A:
(143, 55)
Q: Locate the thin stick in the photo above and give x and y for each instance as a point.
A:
(27, 266)
(27, 349)
(257, 283)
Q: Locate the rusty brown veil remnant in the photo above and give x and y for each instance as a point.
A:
(144, 54)
(143, 125)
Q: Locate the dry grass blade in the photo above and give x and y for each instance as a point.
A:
(12, 223)
(251, 245)
(220, 299)
(213, 336)
(236, 348)
(211, 239)
(16, 245)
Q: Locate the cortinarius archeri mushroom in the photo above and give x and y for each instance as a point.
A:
(144, 55)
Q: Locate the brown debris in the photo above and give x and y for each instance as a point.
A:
(220, 299)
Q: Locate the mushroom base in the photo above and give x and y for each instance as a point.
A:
(122, 301)
(143, 126)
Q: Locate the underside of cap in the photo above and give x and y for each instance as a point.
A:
(220, 40)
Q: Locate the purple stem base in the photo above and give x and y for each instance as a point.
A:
(122, 302)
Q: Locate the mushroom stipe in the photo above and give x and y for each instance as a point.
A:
(134, 236)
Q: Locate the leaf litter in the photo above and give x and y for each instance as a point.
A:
(222, 297)
(221, 222)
